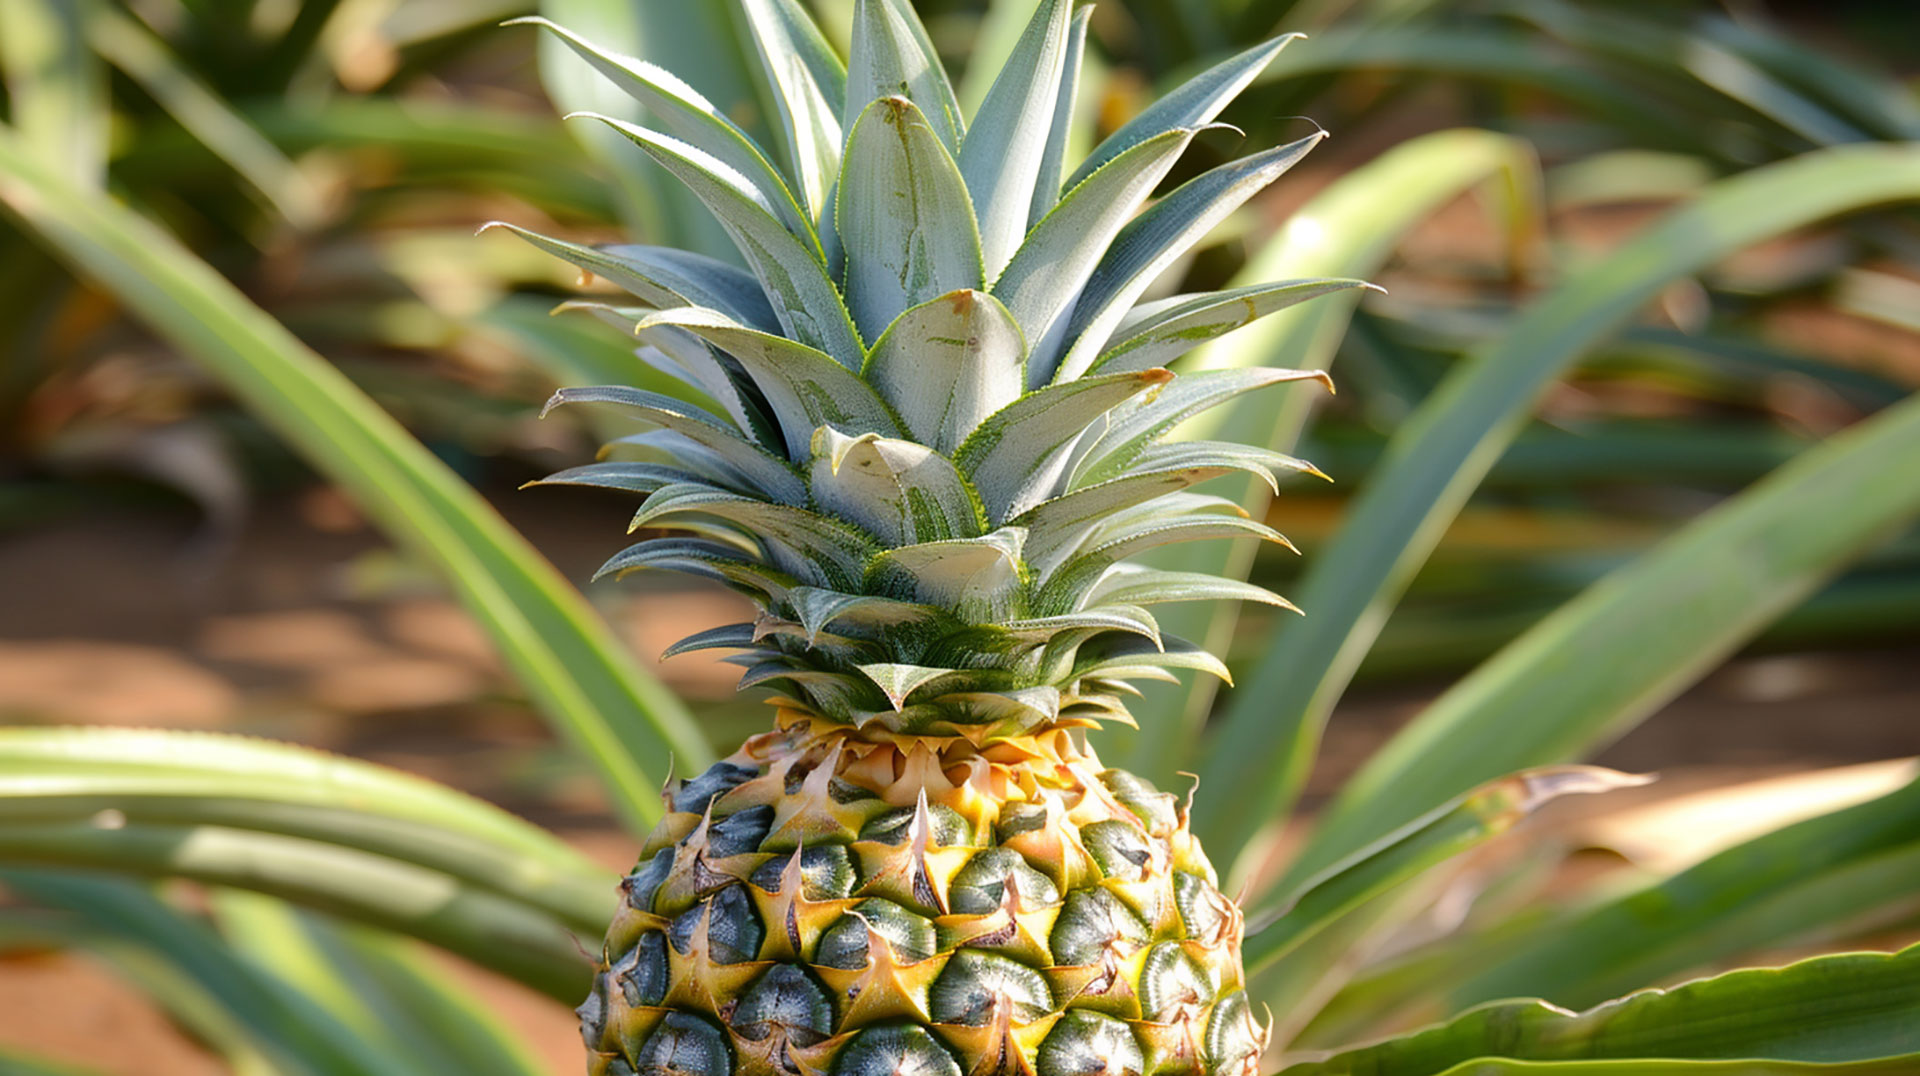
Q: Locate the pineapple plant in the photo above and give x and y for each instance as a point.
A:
(935, 432)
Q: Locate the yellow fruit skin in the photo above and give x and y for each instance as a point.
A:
(865, 903)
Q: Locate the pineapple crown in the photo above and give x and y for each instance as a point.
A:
(939, 411)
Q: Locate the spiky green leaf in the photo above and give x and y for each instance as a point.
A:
(905, 218)
(1004, 148)
(947, 364)
(892, 56)
(1153, 241)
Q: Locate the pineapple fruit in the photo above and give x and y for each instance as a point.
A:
(936, 433)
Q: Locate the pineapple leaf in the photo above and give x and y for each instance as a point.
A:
(1048, 272)
(1109, 616)
(1153, 241)
(805, 387)
(706, 559)
(819, 609)
(807, 545)
(1134, 584)
(1131, 430)
(663, 277)
(947, 364)
(1157, 333)
(1053, 165)
(1121, 656)
(629, 475)
(687, 115)
(1055, 527)
(793, 269)
(1067, 586)
(769, 474)
(809, 88)
(1003, 150)
(720, 376)
(724, 637)
(905, 217)
(1017, 454)
(899, 490)
(898, 681)
(979, 579)
(1196, 102)
(892, 55)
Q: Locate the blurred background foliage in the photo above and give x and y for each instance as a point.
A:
(333, 158)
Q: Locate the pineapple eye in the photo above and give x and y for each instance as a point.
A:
(642, 973)
(895, 1051)
(974, 982)
(646, 880)
(593, 1015)
(1136, 794)
(1170, 982)
(787, 1002)
(1090, 1044)
(981, 885)
(844, 945)
(694, 794)
(734, 932)
(1119, 848)
(1202, 908)
(1233, 1039)
(1018, 818)
(826, 873)
(1094, 922)
(739, 833)
(894, 827)
(685, 1045)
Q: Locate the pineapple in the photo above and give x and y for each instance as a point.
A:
(933, 434)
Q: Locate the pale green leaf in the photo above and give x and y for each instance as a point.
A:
(809, 546)
(793, 271)
(892, 56)
(689, 116)
(809, 87)
(663, 277)
(1053, 165)
(1049, 270)
(1195, 103)
(900, 491)
(1020, 451)
(1004, 148)
(769, 474)
(805, 388)
(1347, 230)
(1153, 241)
(905, 218)
(978, 579)
(947, 364)
(1156, 333)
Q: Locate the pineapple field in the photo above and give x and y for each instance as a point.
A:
(1164, 538)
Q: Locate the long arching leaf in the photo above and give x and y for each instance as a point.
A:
(1435, 461)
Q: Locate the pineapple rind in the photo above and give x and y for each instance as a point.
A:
(830, 900)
